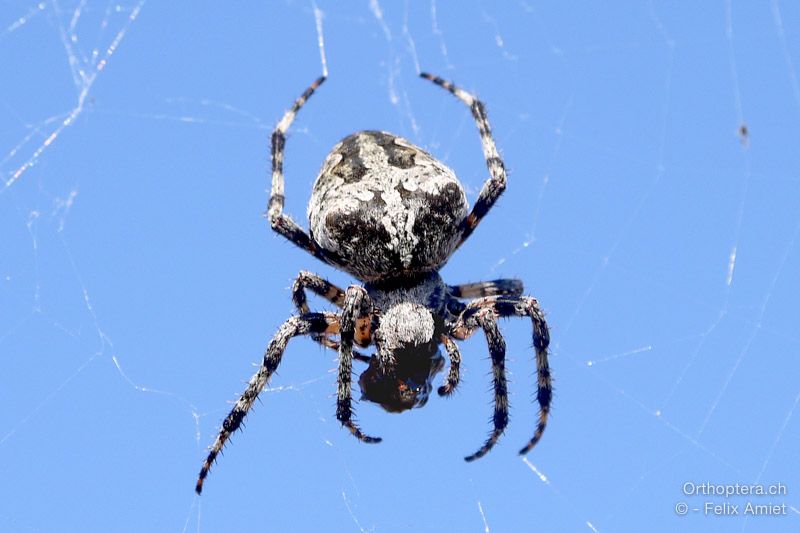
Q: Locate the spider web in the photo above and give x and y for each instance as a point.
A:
(652, 209)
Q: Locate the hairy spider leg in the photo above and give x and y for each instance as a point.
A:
(281, 223)
(357, 312)
(481, 289)
(454, 372)
(496, 183)
(319, 286)
(325, 289)
(305, 324)
(486, 319)
(475, 315)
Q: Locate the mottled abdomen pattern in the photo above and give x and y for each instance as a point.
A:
(382, 207)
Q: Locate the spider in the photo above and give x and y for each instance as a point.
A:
(391, 215)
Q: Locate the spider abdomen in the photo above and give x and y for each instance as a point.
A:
(383, 207)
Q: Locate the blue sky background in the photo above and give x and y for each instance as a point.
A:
(139, 282)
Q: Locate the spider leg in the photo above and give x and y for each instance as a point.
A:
(519, 306)
(317, 285)
(306, 324)
(325, 289)
(356, 315)
(486, 319)
(453, 373)
(496, 183)
(505, 287)
(281, 223)
(321, 287)
(481, 289)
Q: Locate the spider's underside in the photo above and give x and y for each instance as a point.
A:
(390, 214)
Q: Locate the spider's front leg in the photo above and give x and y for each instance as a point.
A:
(474, 316)
(357, 315)
(497, 287)
(486, 318)
(308, 323)
(454, 372)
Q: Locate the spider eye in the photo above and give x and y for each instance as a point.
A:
(404, 386)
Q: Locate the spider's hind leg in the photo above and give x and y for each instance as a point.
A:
(496, 183)
(281, 223)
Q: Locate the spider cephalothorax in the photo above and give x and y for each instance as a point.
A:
(391, 215)
(408, 330)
